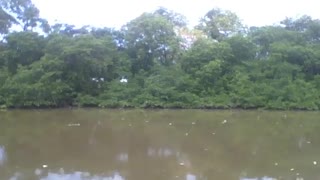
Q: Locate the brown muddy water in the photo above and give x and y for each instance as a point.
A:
(95, 144)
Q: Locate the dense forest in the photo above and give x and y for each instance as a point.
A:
(158, 61)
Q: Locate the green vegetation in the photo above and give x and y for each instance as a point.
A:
(156, 61)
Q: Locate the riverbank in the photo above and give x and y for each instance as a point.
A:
(158, 107)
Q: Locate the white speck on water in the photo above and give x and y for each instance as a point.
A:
(187, 134)
(308, 142)
(206, 149)
(44, 166)
(170, 124)
(193, 123)
(315, 162)
(181, 164)
(130, 124)
(276, 164)
(297, 174)
(224, 121)
(122, 119)
(213, 133)
(292, 169)
(146, 121)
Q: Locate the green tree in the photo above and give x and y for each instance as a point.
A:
(218, 24)
(178, 20)
(40, 85)
(243, 49)
(86, 60)
(150, 39)
(306, 25)
(202, 52)
(264, 37)
(20, 12)
(6, 21)
(22, 48)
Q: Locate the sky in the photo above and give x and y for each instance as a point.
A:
(115, 13)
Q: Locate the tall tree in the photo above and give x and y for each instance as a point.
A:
(6, 21)
(306, 25)
(218, 24)
(150, 39)
(175, 18)
(20, 12)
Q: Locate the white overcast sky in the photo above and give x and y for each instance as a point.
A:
(115, 13)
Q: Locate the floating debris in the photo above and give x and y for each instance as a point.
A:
(146, 121)
(224, 121)
(213, 133)
(308, 142)
(315, 162)
(170, 124)
(292, 169)
(276, 164)
(44, 166)
(181, 164)
(187, 134)
(193, 123)
(206, 149)
(298, 174)
(73, 124)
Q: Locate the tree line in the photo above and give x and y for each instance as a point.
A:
(157, 61)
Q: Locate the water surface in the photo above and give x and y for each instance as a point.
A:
(94, 144)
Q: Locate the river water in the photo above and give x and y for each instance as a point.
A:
(95, 144)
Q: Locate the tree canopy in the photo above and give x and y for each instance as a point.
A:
(157, 61)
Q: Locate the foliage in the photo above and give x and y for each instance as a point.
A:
(156, 61)
(219, 24)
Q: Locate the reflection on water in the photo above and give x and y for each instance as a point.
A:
(71, 176)
(157, 145)
(3, 155)
(191, 177)
(263, 178)
(80, 176)
(123, 157)
(161, 152)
